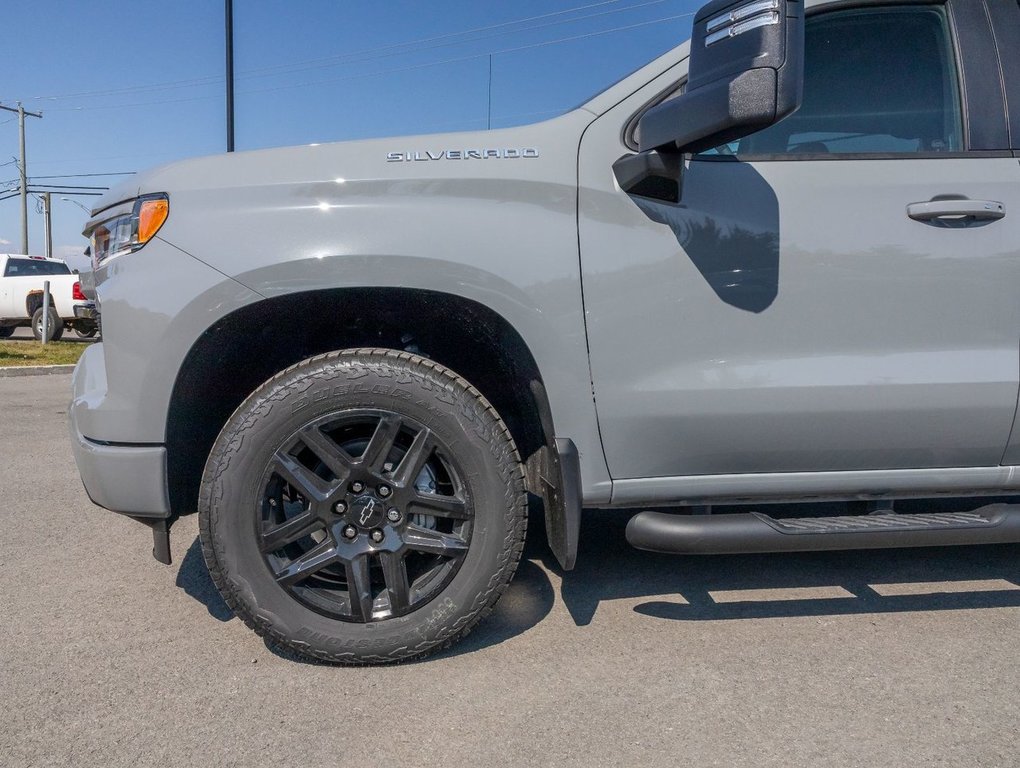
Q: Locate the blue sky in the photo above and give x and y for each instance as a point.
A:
(126, 85)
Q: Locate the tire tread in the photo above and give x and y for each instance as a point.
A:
(504, 450)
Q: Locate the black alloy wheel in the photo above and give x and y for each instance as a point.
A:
(364, 516)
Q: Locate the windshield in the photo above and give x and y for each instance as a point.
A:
(35, 267)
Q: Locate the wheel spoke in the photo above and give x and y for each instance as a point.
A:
(290, 531)
(315, 559)
(381, 444)
(356, 455)
(395, 575)
(328, 452)
(359, 585)
(306, 482)
(438, 506)
(434, 542)
(415, 458)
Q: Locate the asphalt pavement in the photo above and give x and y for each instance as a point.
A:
(107, 658)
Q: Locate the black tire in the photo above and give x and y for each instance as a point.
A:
(6, 331)
(56, 325)
(431, 575)
(85, 332)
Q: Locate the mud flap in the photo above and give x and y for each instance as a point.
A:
(556, 477)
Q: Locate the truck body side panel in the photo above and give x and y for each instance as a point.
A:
(499, 229)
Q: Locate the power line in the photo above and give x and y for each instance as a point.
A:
(68, 192)
(31, 180)
(216, 79)
(339, 60)
(355, 57)
(82, 175)
(395, 70)
(470, 57)
(65, 186)
(41, 188)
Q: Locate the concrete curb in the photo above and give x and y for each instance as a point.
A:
(33, 370)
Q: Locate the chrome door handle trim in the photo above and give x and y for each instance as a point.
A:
(975, 210)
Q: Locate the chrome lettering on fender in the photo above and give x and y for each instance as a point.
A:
(503, 153)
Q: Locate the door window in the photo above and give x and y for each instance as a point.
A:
(877, 81)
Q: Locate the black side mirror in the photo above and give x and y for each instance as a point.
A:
(746, 73)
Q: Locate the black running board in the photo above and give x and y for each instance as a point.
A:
(755, 532)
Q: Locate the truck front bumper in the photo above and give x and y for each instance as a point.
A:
(126, 478)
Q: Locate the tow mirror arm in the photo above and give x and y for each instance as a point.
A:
(652, 174)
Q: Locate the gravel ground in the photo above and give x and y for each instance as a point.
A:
(895, 658)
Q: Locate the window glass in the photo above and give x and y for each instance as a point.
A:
(878, 80)
(33, 267)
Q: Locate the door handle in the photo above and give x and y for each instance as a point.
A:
(956, 212)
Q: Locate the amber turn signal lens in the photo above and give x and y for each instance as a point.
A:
(151, 216)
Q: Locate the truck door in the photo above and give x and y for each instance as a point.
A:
(837, 292)
(7, 310)
(1005, 18)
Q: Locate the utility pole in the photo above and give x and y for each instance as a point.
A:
(24, 172)
(48, 218)
(228, 13)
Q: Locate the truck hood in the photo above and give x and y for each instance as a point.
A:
(530, 151)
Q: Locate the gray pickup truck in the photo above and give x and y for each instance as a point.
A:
(780, 263)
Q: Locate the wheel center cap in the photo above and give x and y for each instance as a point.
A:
(366, 512)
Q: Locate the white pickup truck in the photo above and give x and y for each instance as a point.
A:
(21, 297)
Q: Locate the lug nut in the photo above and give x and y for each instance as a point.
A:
(349, 532)
(384, 491)
(357, 486)
(377, 535)
(393, 515)
(340, 507)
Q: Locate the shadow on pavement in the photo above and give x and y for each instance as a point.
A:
(527, 600)
(713, 588)
(193, 577)
(734, 586)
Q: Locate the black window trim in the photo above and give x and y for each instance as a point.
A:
(17, 259)
(1005, 20)
(983, 62)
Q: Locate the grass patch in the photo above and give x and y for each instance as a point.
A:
(21, 353)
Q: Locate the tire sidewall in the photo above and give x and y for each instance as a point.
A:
(463, 422)
(38, 331)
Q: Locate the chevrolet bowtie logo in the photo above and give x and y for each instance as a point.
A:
(366, 512)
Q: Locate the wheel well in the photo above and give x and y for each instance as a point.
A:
(34, 300)
(244, 349)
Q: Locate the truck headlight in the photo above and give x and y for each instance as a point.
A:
(130, 230)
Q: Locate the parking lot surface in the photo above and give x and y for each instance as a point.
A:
(25, 334)
(107, 658)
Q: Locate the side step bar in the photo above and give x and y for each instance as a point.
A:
(754, 532)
